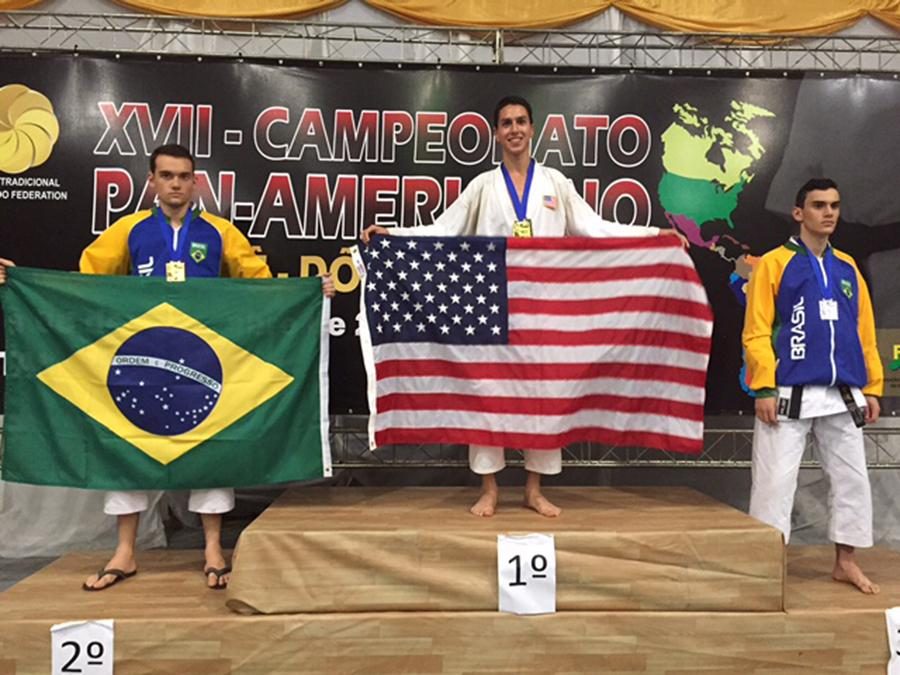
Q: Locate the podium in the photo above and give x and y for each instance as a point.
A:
(404, 580)
(419, 549)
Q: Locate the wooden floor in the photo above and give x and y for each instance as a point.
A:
(419, 549)
(167, 621)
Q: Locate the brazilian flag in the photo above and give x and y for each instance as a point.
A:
(118, 382)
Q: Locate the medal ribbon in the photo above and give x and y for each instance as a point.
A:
(520, 206)
(176, 253)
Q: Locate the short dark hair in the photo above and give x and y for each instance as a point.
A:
(511, 100)
(170, 150)
(809, 186)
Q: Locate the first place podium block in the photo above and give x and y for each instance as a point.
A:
(419, 549)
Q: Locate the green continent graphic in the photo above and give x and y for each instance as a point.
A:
(706, 169)
(699, 200)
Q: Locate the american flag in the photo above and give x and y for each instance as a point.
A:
(534, 342)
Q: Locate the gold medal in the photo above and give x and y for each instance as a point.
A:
(522, 228)
(175, 271)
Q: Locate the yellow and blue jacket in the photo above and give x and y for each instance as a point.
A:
(788, 343)
(142, 243)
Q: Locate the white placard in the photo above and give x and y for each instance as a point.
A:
(526, 573)
(893, 628)
(82, 648)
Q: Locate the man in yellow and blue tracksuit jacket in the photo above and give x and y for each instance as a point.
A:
(809, 340)
(175, 240)
(144, 242)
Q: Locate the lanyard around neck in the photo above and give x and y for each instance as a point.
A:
(825, 278)
(520, 206)
(175, 251)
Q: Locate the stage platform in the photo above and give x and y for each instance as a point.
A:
(166, 622)
(419, 549)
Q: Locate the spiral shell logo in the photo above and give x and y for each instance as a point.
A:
(28, 128)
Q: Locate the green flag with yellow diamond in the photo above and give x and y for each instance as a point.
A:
(136, 383)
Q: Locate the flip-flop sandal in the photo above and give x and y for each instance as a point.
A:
(219, 572)
(120, 575)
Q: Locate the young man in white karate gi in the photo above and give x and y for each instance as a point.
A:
(519, 198)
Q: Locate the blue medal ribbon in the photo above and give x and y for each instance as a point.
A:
(825, 286)
(520, 206)
(175, 253)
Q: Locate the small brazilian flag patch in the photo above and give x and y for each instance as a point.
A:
(847, 287)
(198, 251)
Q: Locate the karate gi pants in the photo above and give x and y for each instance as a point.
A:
(214, 500)
(841, 451)
(485, 459)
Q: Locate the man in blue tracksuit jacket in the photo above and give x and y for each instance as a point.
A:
(809, 341)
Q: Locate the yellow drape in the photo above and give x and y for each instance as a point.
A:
(17, 4)
(805, 17)
(233, 9)
(889, 15)
(802, 17)
(494, 13)
(770, 17)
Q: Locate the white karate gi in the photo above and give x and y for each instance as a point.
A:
(124, 502)
(555, 209)
(840, 447)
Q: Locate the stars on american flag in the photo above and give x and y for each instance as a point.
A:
(435, 289)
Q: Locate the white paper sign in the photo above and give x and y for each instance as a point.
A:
(893, 628)
(526, 573)
(82, 648)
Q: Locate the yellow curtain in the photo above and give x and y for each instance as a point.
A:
(772, 17)
(233, 9)
(768, 17)
(804, 17)
(494, 13)
(17, 4)
(889, 15)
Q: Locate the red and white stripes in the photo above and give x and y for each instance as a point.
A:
(608, 341)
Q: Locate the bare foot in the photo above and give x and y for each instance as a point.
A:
(119, 561)
(486, 504)
(535, 500)
(849, 572)
(216, 561)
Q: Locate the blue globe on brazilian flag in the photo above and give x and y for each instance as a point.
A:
(137, 383)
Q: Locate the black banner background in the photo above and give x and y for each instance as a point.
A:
(112, 112)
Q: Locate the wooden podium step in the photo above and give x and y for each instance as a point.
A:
(419, 549)
(167, 622)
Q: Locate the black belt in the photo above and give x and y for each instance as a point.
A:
(859, 417)
(790, 407)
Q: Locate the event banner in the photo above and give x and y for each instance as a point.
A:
(136, 383)
(302, 157)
